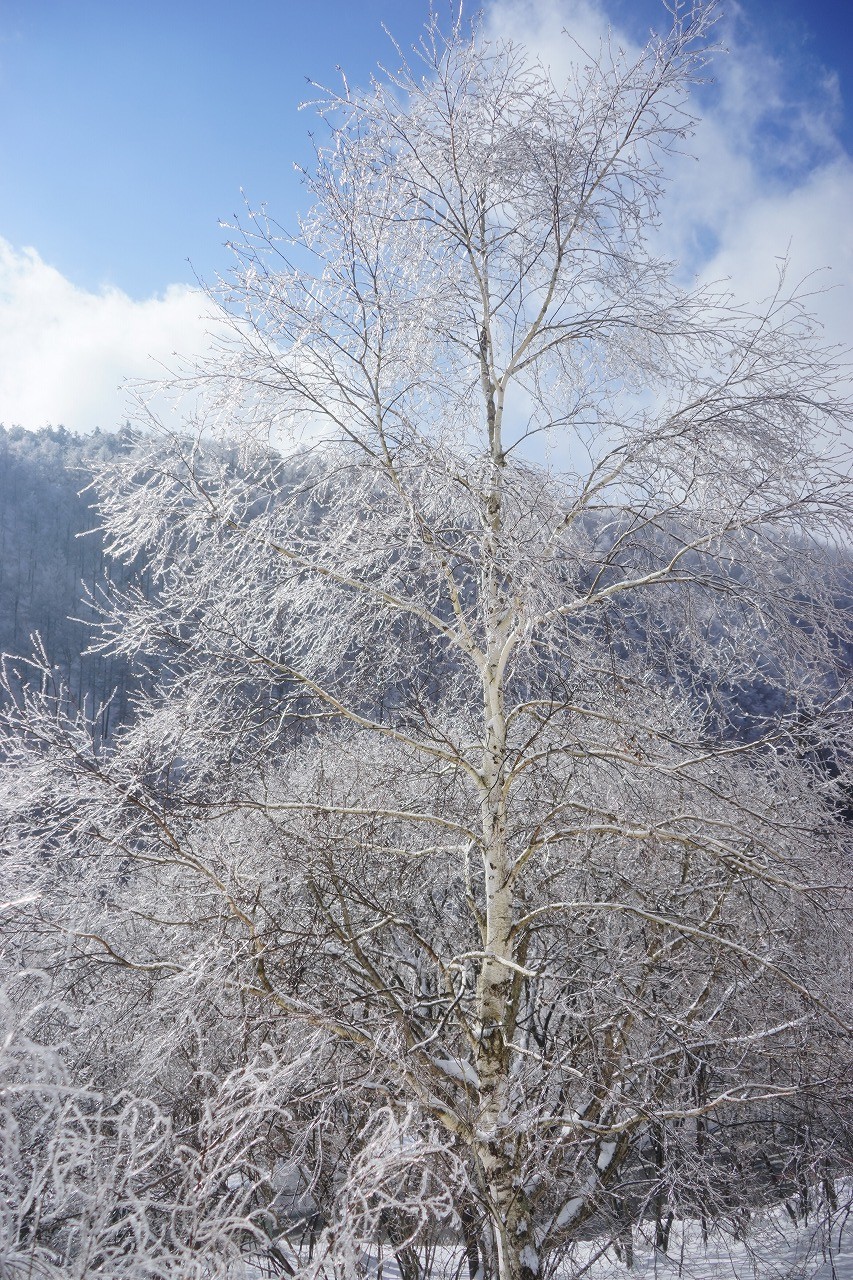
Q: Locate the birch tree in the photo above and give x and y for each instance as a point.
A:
(499, 732)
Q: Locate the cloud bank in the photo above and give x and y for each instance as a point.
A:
(65, 352)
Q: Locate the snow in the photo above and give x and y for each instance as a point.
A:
(606, 1154)
(530, 1260)
(458, 1069)
(776, 1249)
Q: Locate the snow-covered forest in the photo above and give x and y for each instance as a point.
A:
(427, 850)
(52, 565)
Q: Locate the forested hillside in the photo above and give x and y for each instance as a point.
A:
(52, 564)
(56, 581)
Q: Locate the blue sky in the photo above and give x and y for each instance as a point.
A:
(127, 130)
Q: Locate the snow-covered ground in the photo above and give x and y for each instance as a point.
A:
(775, 1249)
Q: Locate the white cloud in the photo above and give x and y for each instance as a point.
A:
(542, 27)
(767, 176)
(769, 180)
(810, 224)
(64, 352)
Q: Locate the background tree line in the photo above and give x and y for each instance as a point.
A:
(52, 563)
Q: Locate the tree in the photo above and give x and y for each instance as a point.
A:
(498, 738)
